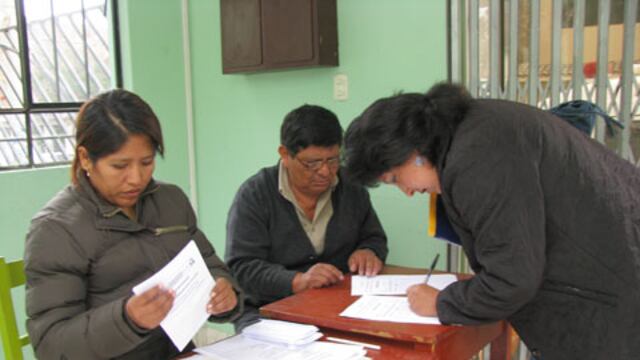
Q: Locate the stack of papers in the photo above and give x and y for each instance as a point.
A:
(391, 308)
(242, 348)
(282, 332)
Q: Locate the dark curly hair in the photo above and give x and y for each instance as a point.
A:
(391, 129)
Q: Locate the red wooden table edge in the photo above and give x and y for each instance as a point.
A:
(494, 333)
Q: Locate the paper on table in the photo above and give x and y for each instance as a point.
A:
(200, 357)
(386, 308)
(282, 332)
(240, 347)
(396, 284)
(189, 277)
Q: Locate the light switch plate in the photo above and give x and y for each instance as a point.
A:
(340, 87)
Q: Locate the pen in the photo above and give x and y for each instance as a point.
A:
(433, 266)
(351, 342)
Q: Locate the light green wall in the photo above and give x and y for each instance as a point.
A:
(153, 68)
(23, 193)
(385, 46)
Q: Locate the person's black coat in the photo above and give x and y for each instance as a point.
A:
(550, 222)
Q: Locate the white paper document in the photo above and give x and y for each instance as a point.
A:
(396, 284)
(240, 347)
(282, 332)
(386, 308)
(189, 277)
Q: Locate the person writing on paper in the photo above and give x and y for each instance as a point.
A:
(548, 218)
(300, 224)
(112, 228)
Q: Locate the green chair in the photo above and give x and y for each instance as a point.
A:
(11, 275)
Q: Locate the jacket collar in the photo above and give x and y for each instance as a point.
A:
(106, 209)
(442, 159)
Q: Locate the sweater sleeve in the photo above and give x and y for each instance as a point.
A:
(248, 247)
(60, 323)
(372, 235)
(499, 202)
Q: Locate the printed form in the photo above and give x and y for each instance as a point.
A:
(370, 306)
(396, 284)
(189, 277)
(386, 308)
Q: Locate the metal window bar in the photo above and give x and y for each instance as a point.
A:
(627, 77)
(54, 41)
(474, 63)
(56, 139)
(73, 93)
(59, 37)
(546, 84)
(87, 73)
(11, 74)
(62, 36)
(602, 78)
(43, 72)
(45, 66)
(15, 92)
(5, 154)
(43, 25)
(53, 147)
(50, 142)
(578, 45)
(534, 44)
(12, 137)
(27, 96)
(101, 66)
(512, 84)
(454, 50)
(93, 28)
(12, 55)
(84, 59)
(494, 49)
(556, 49)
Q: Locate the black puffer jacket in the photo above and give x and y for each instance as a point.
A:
(550, 222)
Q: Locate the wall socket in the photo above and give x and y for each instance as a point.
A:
(340, 87)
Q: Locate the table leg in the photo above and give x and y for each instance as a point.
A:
(502, 347)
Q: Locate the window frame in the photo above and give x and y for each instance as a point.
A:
(30, 108)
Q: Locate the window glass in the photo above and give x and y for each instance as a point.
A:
(64, 49)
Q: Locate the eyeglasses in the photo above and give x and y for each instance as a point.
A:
(314, 165)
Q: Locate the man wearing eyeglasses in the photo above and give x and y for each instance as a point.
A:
(300, 224)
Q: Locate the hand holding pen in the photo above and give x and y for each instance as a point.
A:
(422, 297)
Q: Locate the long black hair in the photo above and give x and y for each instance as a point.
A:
(391, 129)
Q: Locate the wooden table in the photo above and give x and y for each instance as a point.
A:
(321, 307)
